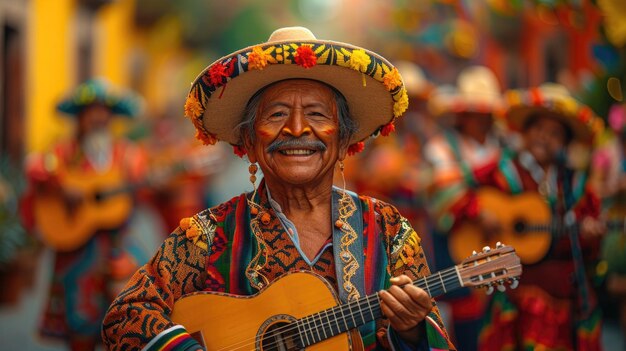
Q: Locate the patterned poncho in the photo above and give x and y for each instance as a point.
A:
(216, 250)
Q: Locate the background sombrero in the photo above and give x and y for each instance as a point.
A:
(556, 101)
(100, 91)
(477, 90)
(372, 87)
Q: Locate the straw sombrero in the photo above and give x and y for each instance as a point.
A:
(556, 101)
(477, 90)
(98, 90)
(372, 87)
(414, 79)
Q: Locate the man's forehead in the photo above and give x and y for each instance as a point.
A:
(304, 87)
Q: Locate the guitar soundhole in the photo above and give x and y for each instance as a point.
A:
(519, 226)
(281, 336)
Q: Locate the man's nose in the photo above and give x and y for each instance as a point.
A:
(297, 125)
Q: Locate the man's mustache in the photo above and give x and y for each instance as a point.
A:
(295, 143)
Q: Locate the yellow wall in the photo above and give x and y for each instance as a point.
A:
(114, 35)
(49, 69)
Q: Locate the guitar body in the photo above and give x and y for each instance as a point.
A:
(65, 230)
(225, 322)
(527, 208)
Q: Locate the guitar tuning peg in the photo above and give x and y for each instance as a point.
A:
(486, 249)
(501, 288)
(474, 253)
(514, 283)
(489, 290)
(499, 245)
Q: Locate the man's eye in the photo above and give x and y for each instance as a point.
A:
(314, 113)
(278, 114)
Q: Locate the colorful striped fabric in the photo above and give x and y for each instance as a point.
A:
(175, 338)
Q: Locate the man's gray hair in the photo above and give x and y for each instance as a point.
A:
(347, 125)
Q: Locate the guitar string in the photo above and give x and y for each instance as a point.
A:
(350, 308)
(449, 275)
(292, 326)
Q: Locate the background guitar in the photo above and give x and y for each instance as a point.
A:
(526, 224)
(301, 310)
(103, 200)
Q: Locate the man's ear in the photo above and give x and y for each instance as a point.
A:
(247, 144)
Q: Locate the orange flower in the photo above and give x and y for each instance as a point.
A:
(305, 56)
(205, 137)
(257, 58)
(392, 79)
(193, 107)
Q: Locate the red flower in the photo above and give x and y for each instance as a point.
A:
(305, 56)
(356, 148)
(239, 150)
(388, 129)
(219, 72)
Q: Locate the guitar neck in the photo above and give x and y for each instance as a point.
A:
(342, 318)
(559, 228)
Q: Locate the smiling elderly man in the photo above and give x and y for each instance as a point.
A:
(265, 266)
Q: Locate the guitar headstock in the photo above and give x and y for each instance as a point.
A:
(491, 267)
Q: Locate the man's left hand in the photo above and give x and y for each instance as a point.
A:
(406, 306)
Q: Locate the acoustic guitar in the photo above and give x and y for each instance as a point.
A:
(105, 199)
(301, 310)
(105, 203)
(526, 224)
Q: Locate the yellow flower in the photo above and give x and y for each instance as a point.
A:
(359, 60)
(257, 58)
(401, 104)
(392, 79)
(193, 107)
(206, 138)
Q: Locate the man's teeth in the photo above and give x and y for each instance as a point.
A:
(297, 152)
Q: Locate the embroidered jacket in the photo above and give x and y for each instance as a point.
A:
(217, 251)
(81, 284)
(540, 312)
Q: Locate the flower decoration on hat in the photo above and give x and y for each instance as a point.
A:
(401, 104)
(305, 56)
(295, 53)
(356, 148)
(359, 60)
(387, 129)
(556, 100)
(392, 79)
(258, 58)
(239, 150)
(193, 107)
(217, 74)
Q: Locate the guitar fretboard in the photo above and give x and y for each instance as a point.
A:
(339, 319)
